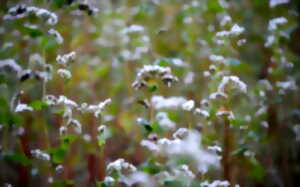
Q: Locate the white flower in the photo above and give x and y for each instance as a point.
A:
(189, 146)
(216, 183)
(273, 23)
(228, 114)
(109, 179)
(67, 102)
(120, 165)
(164, 121)
(23, 107)
(215, 148)
(202, 112)
(150, 145)
(217, 95)
(76, 124)
(181, 133)
(296, 129)
(66, 58)
(62, 130)
(154, 72)
(40, 154)
(96, 109)
(274, 3)
(58, 38)
(235, 31)
(160, 102)
(189, 105)
(101, 129)
(133, 28)
(64, 73)
(21, 11)
(236, 83)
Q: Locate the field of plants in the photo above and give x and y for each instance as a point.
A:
(149, 93)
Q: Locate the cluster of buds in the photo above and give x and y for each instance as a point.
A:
(152, 72)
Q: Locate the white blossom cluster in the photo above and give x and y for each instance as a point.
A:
(64, 73)
(133, 28)
(164, 121)
(234, 31)
(58, 38)
(10, 65)
(21, 11)
(160, 102)
(70, 105)
(234, 81)
(65, 59)
(274, 3)
(216, 183)
(120, 165)
(23, 107)
(149, 72)
(273, 23)
(187, 146)
(37, 153)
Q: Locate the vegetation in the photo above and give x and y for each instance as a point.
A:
(149, 93)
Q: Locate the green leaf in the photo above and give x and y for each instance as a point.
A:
(38, 105)
(18, 158)
(58, 154)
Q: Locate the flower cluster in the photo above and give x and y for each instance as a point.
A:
(21, 11)
(150, 72)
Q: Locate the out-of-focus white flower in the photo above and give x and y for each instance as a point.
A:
(59, 168)
(234, 31)
(133, 28)
(76, 124)
(152, 146)
(274, 3)
(202, 112)
(188, 106)
(153, 72)
(181, 133)
(101, 129)
(62, 130)
(270, 41)
(40, 154)
(228, 114)
(241, 42)
(189, 146)
(296, 129)
(66, 101)
(20, 11)
(273, 23)
(160, 102)
(64, 73)
(120, 165)
(109, 180)
(189, 78)
(183, 170)
(217, 95)
(164, 121)
(23, 107)
(58, 38)
(215, 148)
(66, 58)
(236, 83)
(217, 58)
(96, 109)
(225, 19)
(216, 183)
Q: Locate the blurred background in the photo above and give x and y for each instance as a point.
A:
(113, 39)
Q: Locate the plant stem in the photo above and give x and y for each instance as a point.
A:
(226, 152)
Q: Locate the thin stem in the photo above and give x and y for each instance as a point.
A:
(226, 152)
